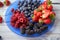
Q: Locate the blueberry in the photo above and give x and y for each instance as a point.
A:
(29, 14)
(26, 15)
(21, 9)
(31, 21)
(19, 2)
(29, 8)
(26, 12)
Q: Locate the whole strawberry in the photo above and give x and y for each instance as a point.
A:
(7, 2)
(1, 19)
(1, 4)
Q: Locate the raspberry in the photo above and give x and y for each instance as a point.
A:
(12, 10)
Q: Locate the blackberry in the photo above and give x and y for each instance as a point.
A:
(22, 29)
(31, 32)
(38, 31)
(43, 28)
(27, 28)
(27, 31)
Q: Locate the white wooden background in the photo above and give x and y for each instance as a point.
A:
(53, 34)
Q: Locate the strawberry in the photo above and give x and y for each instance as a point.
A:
(35, 12)
(44, 11)
(44, 6)
(40, 21)
(52, 15)
(7, 2)
(1, 4)
(35, 19)
(39, 14)
(45, 3)
(40, 8)
(47, 21)
(46, 14)
(1, 19)
(50, 7)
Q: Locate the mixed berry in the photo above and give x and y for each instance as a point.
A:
(30, 16)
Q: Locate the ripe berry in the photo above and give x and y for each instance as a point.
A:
(1, 19)
(8, 2)
(1, 4)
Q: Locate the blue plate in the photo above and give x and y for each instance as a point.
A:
(17, 31)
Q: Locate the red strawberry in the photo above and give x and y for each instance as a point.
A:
(41, 20)
(1, 19)
(52, 13)
(35, 12)
(46, 14)
(1, 4)
(45, 2)
(8, 2)
(47, 21)
(44, 6)
(39, 14)
(50, 7)
(35, 19)
(44, 11)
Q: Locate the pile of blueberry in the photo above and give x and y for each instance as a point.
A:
(27, 6)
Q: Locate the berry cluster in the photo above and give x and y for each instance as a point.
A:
(6, 2)
(18, 19)
(28, 6)
(30, 16)
(44, 14)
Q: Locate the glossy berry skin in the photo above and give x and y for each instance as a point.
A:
(8, 2)
(47, 21)
(1, 4)
(1, 19)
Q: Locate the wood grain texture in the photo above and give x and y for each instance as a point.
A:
(53, 34)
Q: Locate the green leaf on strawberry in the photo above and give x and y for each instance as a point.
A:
(52, 16)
